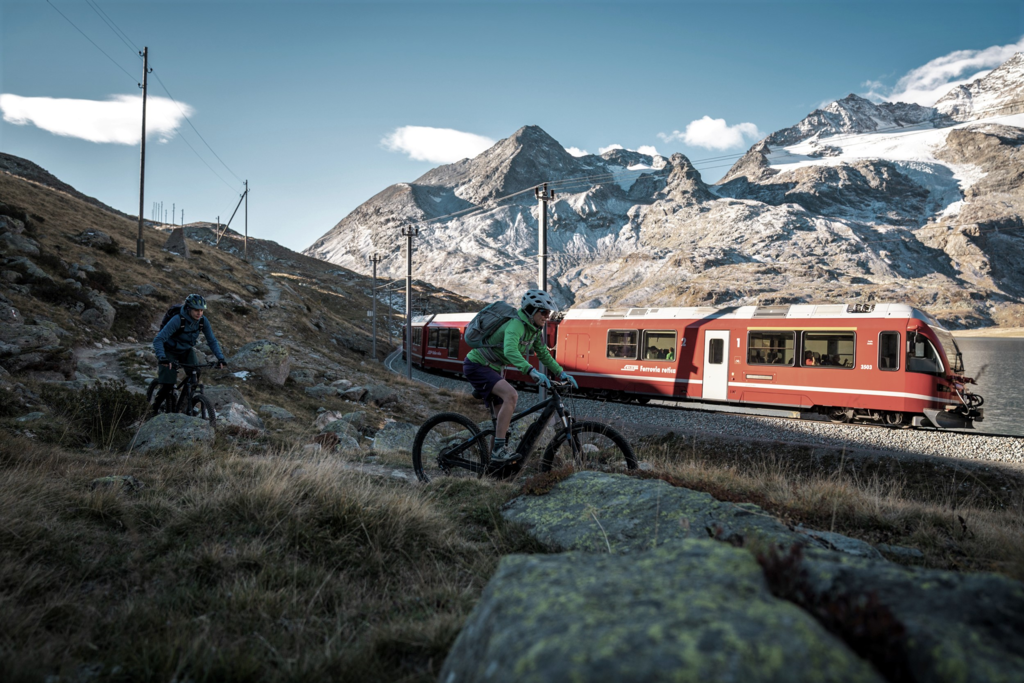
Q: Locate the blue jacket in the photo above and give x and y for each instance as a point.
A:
(180, 334)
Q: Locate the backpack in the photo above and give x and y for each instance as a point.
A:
(485, 323)
(171, 312)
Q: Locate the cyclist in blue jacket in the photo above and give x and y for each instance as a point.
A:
(176, 340)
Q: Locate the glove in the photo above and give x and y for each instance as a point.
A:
(540, 379)
(221, 364)
(566, 377)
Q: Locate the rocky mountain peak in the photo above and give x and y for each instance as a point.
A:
(997, 94)
(684, 184)
(855, 114)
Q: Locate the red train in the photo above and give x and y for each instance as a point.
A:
(883, 363)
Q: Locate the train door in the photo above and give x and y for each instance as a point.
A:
(577, 353)
(716, 365)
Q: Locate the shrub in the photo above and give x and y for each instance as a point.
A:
(101, 280)
(105, 412)
(112, 247)
(240, 309)
(60, 293)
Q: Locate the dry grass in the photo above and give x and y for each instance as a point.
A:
(954, 516)
(227, 566)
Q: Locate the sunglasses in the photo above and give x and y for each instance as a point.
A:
(545, 314)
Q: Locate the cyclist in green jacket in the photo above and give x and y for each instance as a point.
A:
(510, 345)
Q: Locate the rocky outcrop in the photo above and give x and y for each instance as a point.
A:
(101, 314)
(395, 437)
(171, 431)
(236, 418)
(999, 93)
(222, 395)
(269, 360)
(693, 611)
(276, 413)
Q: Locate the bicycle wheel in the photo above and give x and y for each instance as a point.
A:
(166, 405)
(442, 448)
(597, 447)
(199, 406)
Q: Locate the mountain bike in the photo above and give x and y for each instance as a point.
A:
(451, 444)
(189, 398)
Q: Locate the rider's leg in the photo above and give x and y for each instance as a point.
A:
(508, 396)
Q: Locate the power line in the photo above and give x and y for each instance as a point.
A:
(134, 79)
(113, 27)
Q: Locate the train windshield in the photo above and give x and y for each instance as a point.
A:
(949, 347)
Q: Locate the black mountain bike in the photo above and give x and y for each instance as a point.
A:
(189, 398)
(451, 444)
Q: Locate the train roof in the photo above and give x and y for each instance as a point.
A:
(793, 311)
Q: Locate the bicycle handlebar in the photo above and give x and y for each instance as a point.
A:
(196, 367)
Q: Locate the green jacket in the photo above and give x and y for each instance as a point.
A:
(511, 344)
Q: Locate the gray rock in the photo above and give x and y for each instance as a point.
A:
(959, 626)
(10, 315)
(325, 417)
(28, 267)
(303, 376)
(102, 314)
(9, 224)
(380, 395)
(172, 430)
(359, 419)
(321, 391)
(236, 418)
(276, 413)
(844, 544)
(26, 337)
(146, 290)
(222, 395)
(341, 428)
(120, 482)
(31, 417)
(694, 611)
(395, 437)
(591, 510)
(353, 394)
(13, 243)
(93, 238)
(268, 359)
(342, 383)
(10, 275)
(90, 369)
(900, 551)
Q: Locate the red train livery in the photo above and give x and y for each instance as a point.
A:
(884, 363)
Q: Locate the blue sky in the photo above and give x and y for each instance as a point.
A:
(321, 105)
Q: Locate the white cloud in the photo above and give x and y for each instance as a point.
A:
(576, 151)
(117, 120)
(602, 150)
(714, 134)
(926, 84)
(649, 150)
(438, 145)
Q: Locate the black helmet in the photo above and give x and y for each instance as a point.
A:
(195, 302)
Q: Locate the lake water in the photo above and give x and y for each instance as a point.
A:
(998, 365)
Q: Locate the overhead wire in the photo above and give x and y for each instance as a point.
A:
(114, 61)
(113, 27)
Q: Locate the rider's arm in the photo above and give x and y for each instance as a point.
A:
(541, 349)
(212, 341)
(172, 326)
(514, 332)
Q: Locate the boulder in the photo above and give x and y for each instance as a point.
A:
(172, 430)
(10, 315)
(303, 376)
(336, 441)
(176, 243)
(93, 238)
(696, 610)
(268, 359)
(321, 391)
(340, 427)
(380, 395)
(102, 314)
(28, 267)
(395, 437)
(361, 420)
(26, 337)
(117, 482)
(9, 224)
(325, 418)
(353, 394)
(146, 290)
(221, 396)
(236, 418)
(342, 383)
(14, 243)
(276, 413)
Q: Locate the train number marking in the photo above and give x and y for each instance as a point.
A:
(866, 367)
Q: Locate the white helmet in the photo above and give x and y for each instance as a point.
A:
(538, 298)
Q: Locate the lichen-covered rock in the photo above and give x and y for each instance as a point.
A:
(353, 394)
(959, 627)
(26, 266)
(303, 376)
(321, 391)
(395, 437)
(361, 420)
(276, 413)
(591, 509)
(25, 337)
(14, 243)
(379, 395)
(692, 611)
(239, 419)
(267, 359)
(172, 430)
(341, 427)
(222, 395)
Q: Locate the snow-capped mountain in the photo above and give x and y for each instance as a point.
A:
(859, 201)
(1000, 92)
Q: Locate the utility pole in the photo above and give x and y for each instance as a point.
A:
(543, 196)
(174, 212)
(183, 216)
(140, 244)
(408, 233)
(245, 242)
(375, 259)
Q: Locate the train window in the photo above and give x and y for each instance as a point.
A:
(716, 352)
(922, 356)
(442, 339)
(889, 351)
(659, 345)
(622, 343)
(828, 349)
(453, 343)
(432, 341)
(417, 337)
(770, 348)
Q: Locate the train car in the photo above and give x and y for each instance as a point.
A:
(883, 363)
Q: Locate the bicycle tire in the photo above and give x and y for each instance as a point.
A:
(199, 406)
(610, 449)
(165, 406)
(438, 436)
